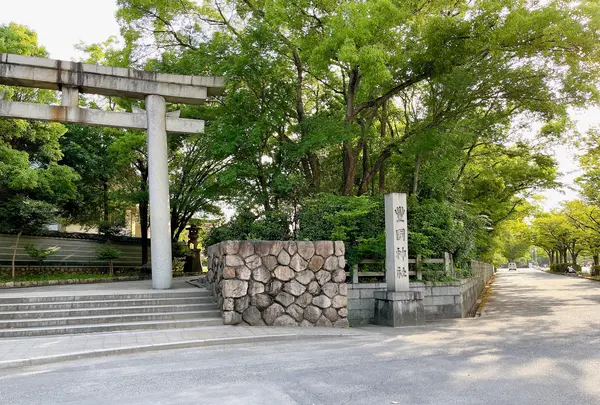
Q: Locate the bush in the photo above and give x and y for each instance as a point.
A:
(111, 228)
(109, 254)
(595, 271)
(564, 267)
(274, 225)
(40, 254)
(358, 221)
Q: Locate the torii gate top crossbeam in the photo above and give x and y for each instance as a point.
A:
(26, 71)
(73, 78)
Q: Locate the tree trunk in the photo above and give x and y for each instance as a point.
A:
(377, 167)
(382, 133)
(143, 209)
(315, 168)
(15, 253)
(111, 271)
(596, 258)
(418, 163)
(264, 191)
(349, 162)
(382, 178)
(310, 163)
(550, 257)
(105, 200)
(349, 156)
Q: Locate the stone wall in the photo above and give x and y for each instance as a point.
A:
(444, 300)
(279, 283)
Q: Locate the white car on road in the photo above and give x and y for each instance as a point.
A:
(512, 266)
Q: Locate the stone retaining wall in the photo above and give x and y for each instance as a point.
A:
(279, 283)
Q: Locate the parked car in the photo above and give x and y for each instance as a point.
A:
(512, 266)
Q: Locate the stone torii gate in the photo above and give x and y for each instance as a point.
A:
(72, 78)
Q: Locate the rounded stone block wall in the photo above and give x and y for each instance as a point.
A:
(279, 283)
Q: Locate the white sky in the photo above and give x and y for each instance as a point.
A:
(61, 24)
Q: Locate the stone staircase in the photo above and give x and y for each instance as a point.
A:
(71, 314)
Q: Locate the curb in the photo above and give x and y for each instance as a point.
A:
(162, 346)
(573, 276)
(477, 309)
(65, 281)
(45, 283)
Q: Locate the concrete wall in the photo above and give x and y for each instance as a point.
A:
(279, 283)
(445, 300)
(73, 252)
(361, 302)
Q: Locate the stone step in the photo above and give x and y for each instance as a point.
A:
(62, 313)
(44, 306)
(103, 297)
(106, 319)
(110, 327)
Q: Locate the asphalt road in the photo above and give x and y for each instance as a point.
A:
(536, 343)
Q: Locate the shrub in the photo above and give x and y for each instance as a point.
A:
(109, 254)
(274, 225)
(111, 228)
(358, 221)
(40, 254)
(564, 267)
(595, 271)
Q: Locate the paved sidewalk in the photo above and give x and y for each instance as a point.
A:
(31, 351)
(180, 284)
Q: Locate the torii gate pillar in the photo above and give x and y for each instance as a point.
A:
(158, 179)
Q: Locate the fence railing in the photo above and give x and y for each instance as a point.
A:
(355, 275)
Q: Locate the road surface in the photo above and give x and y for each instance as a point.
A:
(535, 343)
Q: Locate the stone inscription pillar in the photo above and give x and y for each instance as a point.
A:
(398, 306)
(158, 179)
(396, 242)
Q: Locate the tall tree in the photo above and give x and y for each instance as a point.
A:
(86, 150)
(33, 186)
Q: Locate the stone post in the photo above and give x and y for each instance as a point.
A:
(448, 264)
(398, 306)
(158, 179)
(396, 243)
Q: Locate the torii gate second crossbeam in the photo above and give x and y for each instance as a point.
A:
(72, 78)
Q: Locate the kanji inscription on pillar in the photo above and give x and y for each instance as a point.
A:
(396, 231)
